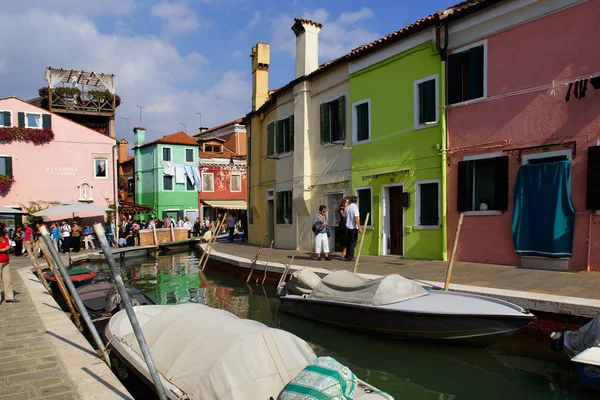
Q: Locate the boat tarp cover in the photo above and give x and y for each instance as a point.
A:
(212, 354)
(348, 287)
(302, 282)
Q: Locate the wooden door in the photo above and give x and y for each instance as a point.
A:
(396, 222)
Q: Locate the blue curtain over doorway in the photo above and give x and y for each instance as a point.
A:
(543, 217)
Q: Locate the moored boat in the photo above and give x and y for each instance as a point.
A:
(101, 298)
(398, 307)
(182, 245)
(205, 353)
(79, 276)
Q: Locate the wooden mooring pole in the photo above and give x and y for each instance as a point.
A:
(267, 264)
(255, 260)
(211, 245)
(362, 238)
(451, 264)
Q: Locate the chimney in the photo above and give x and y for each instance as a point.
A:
(307, 46)
(122, 150)
(261, 58)
(139, 136)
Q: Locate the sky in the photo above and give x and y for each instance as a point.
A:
(176, 59)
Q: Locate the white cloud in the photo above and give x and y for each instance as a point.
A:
(178, 18)
(354, 17)
(255, 20)
(335, 39)
(170, 86)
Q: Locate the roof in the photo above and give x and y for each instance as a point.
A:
(176, 138)
(450, 14)
(215, 128)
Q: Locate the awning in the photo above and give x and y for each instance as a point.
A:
(227, 204)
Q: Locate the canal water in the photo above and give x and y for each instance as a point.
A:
(517, 368)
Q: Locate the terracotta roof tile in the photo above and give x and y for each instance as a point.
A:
(176, 138)
(215, 128)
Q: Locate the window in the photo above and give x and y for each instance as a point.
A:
(6, 166)
(333, 120)
(214, 148)
(364, 204)
(166, 156)
(483, 183)
(189, 186)
(130, 185)
(208, 182)
(426, 100)
(100, 168)
(236, 183)
(285, 135)
(428, 204)
(167, 183)
(361, 122)
(271, 138)
(466, 74)
(5, 118)
(33, 120)
(189, 155)
(284, 207)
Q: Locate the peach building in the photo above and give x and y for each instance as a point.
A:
(522, 98)
(77, 163)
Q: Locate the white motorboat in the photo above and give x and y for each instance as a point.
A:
(398, 307)
(206, 353)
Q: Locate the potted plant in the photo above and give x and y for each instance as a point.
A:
(483, 203)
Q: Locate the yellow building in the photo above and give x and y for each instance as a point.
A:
(297, 139)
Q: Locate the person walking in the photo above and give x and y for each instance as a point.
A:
(110, 234)
(17, 237)
(321, 230)
(9, 294)
(188, 225)
(65, 232)
(231, 226)
(197, 227)
(342, 231)
(76, 237)
(353, 227)
(55, 235)
(88, 237)
(135, 229)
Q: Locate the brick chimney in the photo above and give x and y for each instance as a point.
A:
(261, 58)
(307, 45)
(122, 153)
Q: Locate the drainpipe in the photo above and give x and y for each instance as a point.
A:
(116, 191)
(444, 143)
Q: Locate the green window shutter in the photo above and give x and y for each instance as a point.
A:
(21, 120)
(475, 73)
(501, 200)
(464, 190)
(7, 121)
(291, 135)
(455, 79)
(364, 204)
(46, 121)
(429, 197)
(288, 206)
(325, 128)
(279, 207)
(342, 118)
(280, 137)
(8, 166)
(362, 122)
(427, 102)
(271, 139)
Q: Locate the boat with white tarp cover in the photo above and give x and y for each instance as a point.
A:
(206, 353)
(399, 307)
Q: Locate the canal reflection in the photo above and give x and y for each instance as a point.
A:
(518, 368)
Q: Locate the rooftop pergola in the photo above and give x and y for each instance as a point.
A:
(80, 92)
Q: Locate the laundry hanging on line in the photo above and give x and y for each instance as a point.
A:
(180, 173)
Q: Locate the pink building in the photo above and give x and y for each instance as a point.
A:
(76, 164)
(521, 91)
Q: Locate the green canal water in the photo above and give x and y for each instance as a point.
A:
(517, 368)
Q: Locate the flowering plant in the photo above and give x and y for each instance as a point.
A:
(37, 136)
(5, 183)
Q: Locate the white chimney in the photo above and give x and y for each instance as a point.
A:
(307, 46)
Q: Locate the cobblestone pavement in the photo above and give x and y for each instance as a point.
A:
(29, 367)
(576, 284)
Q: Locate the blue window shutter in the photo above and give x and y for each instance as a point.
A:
(342, 117)
(46, 121)
(291, 135)
(325, 128)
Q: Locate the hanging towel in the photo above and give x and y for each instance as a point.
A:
(544, 217)
(180, 173)
(169, 168)
(189, 171)
(197, 179)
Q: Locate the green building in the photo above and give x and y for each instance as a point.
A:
(157, 182)
(398, 137)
